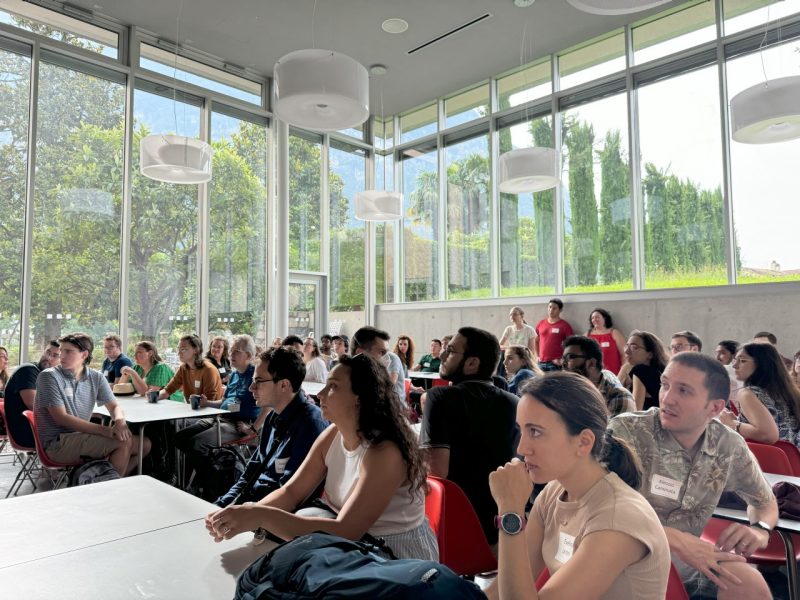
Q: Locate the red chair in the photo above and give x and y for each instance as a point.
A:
(675, 587)
(771, 458)
(47, 463)
(462, 544)
(792, 453)
(407, 384)
(25, 455)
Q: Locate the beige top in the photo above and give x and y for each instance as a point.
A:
(609, 505)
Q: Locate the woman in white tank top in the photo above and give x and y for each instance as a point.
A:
(375, 478)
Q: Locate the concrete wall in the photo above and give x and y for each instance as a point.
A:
(724, 312)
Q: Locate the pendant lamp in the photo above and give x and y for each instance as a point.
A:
(379, 205)
(175, 159)
(527, 170)
(321, 90)
(767, 112)
(615, 7)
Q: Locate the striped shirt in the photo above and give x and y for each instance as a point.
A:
(58, 387)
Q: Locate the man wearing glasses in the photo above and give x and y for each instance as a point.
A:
(291, 427)
(469, 428)
(685, 341)
(65, 398)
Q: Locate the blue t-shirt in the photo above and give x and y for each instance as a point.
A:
(24, 378)
(113, 370)
(238, 390)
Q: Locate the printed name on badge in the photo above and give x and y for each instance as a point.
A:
(665, 487)
(566, 542)
(196, 383)
(605, 344)
(280, 465)
(555, 330)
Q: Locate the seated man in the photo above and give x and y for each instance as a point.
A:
(685, 341)
(765, 337)
(431, 362)
(375, 342)
(469, 428)
(289, 431)
(583, 355)
(21, 393)
(688, 460)
(201, 436)
(65, 398)
(115, 359)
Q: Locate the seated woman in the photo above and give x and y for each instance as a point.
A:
(218, 355)
(149, 374)
(769, 403)
(795, 373)
(611, 340)
(645, 361)
(195, 375)
(371, 465)
(316, 370)
(597, 536)
(520, 367)
(3, 370)
(404, 348)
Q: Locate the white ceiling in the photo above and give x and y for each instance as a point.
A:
(255, 33)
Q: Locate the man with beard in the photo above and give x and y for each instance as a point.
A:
(582, 355)
(469, 428)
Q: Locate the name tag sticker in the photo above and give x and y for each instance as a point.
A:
(105, 374)
(68, 392)
(566, 542)
(605, 344)
(222, 370)
(426, 365)
(665, 487)
(280, 465)
(196, 383)
(555, 330)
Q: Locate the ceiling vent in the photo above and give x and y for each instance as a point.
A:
(453, 31)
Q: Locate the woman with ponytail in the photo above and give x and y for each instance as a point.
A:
(597, 536)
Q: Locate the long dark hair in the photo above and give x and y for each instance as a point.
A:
(407, 358)
(150, 347)
(4, 372)
(771, 375)
(380, 417)
(576, 400)
(197, 344)
(654, 345)
(608, 322)
(224, 360)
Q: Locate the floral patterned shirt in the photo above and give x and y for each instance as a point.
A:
(684, 491)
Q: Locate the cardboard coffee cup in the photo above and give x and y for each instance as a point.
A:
(194, 400)
(152, 396)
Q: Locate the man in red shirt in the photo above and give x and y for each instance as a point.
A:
(550, 333)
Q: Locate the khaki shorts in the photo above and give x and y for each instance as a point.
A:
(70, 447)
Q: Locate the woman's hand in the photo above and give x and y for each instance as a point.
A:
(126, 371)
(233, 520)
(511, 487)
(203, 401)
(728, 418)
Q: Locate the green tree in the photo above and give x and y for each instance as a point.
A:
(579, 139)
(615, 257)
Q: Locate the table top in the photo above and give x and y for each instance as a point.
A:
(312, 387)
(138, 410)
(40, 525)
(740, 516)
(423, 375)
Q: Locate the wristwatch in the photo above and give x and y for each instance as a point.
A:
(762, 525)
(510, 523)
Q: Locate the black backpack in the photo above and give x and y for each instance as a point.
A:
(93, 471)
(216, 474)
(320, 565)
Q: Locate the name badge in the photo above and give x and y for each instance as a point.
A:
(68, 392)
(426, 365)
(605, 344)
(566, 543)
(665, 487)
(105, 374)
(222, 370)
(555, 330)
(280, 465)
(197, 383)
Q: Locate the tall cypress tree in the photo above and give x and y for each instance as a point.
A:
(586, 243)
(615, 255)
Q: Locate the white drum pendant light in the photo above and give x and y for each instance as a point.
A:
(379, 205)
(175, 159)
(767, 112)
(527, 170)
(615, 7)
(321, 90)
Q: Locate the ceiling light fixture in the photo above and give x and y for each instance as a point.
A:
(615, 7)
(394, 25)
(523, 3)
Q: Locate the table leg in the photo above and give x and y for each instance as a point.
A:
(141, 447)
(219, 431)
(791, 564)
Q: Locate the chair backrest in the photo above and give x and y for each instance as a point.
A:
(40, 451)
(792, 453)
(407, 384)
(462, 543)
(771, 458)
(14, 444)
(675, 588)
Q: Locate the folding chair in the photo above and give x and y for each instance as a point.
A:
(48, 464)
(26, 457)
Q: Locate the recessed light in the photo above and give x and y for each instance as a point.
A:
(523, 3)
(394, 25)
(377, 70)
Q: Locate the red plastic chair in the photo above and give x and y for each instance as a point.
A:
(26, 456)
(675, 587)
(462, 544)
(49, 464)
(407, 384)
(792, 453)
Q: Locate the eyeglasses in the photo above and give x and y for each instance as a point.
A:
(571, 356)
(257, 381)
(451, 350)
(634, 347)
(679, 347)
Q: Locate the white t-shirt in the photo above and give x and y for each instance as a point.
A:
(518, 337)
(316, 371)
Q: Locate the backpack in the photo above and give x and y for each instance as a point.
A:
(220, 470)
(320, 565)
(93, 471)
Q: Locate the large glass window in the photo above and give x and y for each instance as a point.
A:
(418, 124)
(527, 84)
(421, 224)
(237, 221)
(677, 30)
(744, 14)
(162, 276)
(467, 106)
(681, 149)
(305, 189)
(527, 236)
(385, 233)
(347, 258)
(596, 182)
(593, 60)
(765, 182)
(468, 219)
(14, 89)
(77, 202)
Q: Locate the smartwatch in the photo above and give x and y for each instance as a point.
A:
(510, 523)
(762, 525)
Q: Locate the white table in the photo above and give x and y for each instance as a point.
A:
(166, 554)
(423, 375)
(312, 388)
(138, 410)
(62, 521)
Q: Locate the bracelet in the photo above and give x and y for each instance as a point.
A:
(737, 425)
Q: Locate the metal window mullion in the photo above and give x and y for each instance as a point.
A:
(30, 176)
(558, 209)
(325, 208)
(281, 287)
(271, 329)
(441, 234)
(204, 205)
(399, 293)
(125, 220)
(370, 254)
(636, 198)
(494, 215)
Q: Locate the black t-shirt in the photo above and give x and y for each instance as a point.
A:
(24, 378)
(651, 378)
(477, 422)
